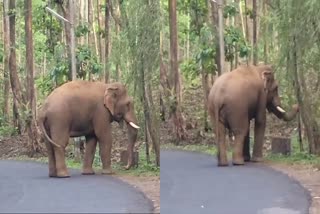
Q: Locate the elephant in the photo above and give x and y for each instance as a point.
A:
(234, 100)
(83, 108)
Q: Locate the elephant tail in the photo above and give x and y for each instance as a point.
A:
(41, 124)
(217, 110)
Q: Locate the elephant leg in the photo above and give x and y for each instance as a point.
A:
(105, 145)
(246, 147)
(221, 142)
(89, 153)
(259, 130)
(51, 160)
(240, 135)
(59, 152)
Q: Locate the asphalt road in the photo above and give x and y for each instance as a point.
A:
(192, 183)
(26, 188)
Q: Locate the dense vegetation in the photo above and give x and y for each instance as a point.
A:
(282, 33)
(113, 41)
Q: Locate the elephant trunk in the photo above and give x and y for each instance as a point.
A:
(132, 136)
(292, 114)
(281, 114)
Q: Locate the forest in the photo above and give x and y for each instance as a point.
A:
(45, 44)
(283, 34)
(134, 41)
(168, 55)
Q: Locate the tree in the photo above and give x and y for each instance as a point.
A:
(175, 108)
(107, 40)
(34, 145)
(18, 98)
(5, 109)
(254, 39)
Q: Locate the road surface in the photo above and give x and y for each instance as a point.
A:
(25, 187)
(192, 183)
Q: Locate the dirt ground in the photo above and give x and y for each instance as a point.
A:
(150, 186)
(308, 177)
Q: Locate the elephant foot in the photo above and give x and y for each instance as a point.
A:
(223, 164)
(52, 174)
(107, 171)
(247, 158)
(63, 174)
(257, 159)
(238, 161)
(88, 171)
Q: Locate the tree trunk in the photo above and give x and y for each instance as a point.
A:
(218, 25)
(72, 43)
(254, 38)
(311, 126)
(6, 35)
(117, 26)
(265, 33)
(107, 41)
(99, 27)
(94, 30)
(33, 145)
(176, 113)
(66, 15)
(14, 79)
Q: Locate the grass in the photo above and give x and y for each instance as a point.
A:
(296, 157)
(144, 168)
(207, 149)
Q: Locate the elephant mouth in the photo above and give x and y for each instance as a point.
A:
(119, 117)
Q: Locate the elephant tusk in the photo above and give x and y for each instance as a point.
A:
(281, 109)
(134, 125)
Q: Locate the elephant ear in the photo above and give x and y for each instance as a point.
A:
(110, 97)
(267, 77)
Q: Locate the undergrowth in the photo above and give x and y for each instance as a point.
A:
(144, 168)
(296, 156)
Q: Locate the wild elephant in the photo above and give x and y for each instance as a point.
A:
(236, 98)
(83, 108)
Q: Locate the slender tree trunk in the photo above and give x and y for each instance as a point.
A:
(311, 125)
(265, 33)
(164, 82)
(254, 38)
(14, 79)
(117, 26)
(107, 40)
(72, 41)
(6, 35)
(94, 30)
(33, 144)
(66, 15)
(99, 24)
(218, 21)
(176, 113)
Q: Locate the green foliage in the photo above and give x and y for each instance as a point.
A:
(82, 30)
(87, 62)
(203, 59)
(44, 84)
(296, 157)
(230, 10)
(234, 40)
(1, 51)
(7, 130)
(207, 149)
(144, 168)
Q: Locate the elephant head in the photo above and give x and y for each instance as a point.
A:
(273, 99)
(120, 106)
